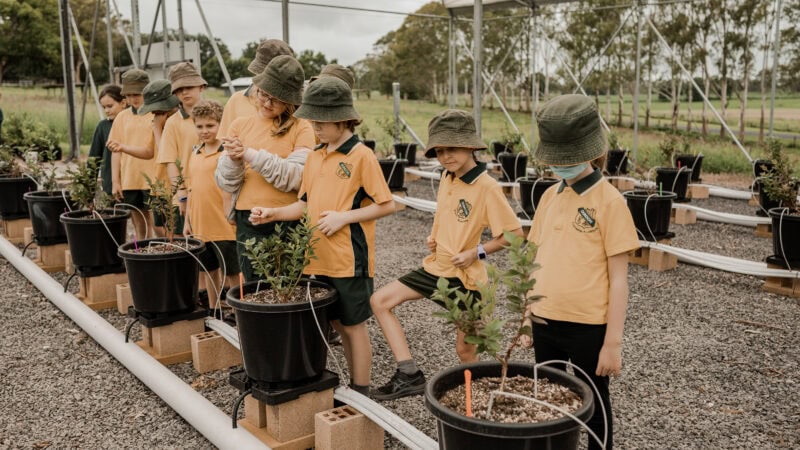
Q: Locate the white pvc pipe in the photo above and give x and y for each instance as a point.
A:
(715, 216)
(193, 407)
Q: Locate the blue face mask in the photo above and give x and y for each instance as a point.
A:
(569, 172)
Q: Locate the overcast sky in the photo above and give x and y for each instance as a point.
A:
(342, 34)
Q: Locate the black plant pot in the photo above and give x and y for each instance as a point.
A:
(650, 212)
(12, 205)
(162, 283)
(617, 162)
(761, 167)
(531, 190)
(280, 342)
(370, 143)
(693, 162)
(406, 151)
(500, 147)
(394, 171)
(44, 209)
(467, 433)
(765, 202)
(675, 180)
(93, 242)
(513, 165)
(786, 236)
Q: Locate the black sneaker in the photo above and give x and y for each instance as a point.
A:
(401, 385)
(333, 337)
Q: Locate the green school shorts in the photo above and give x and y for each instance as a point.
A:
(424, 283)
(352, 308)
(218, 252)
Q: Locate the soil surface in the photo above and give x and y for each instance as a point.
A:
(512, 409)
(710, 360)
(166, 248)
(299, 295)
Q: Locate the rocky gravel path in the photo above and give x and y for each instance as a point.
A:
(710, 360)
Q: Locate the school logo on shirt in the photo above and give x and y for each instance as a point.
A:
(463, 210)
(344, 171)
(585, 221)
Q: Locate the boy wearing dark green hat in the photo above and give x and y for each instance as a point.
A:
(583, 231)
(344, 205)
(469, 201)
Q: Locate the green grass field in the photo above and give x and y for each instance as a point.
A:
(721, 156)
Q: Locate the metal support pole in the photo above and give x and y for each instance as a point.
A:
(285, 19)
(69, 84)
(181, 36)
(87, 62)
(134, 55)
(532, 42)
(477, 63)
(85, 59)
(451, 70)
(164, 39)
(110, 39)
(216, 48)
(776, 48)
(137, 34)
(152, 33)
(396, 107)
(638, 64)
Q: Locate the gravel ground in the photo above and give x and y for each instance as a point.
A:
(710, 359)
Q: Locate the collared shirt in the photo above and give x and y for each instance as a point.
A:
(206, 215)
(576, 229)
(256, 132)
(134, 130)
(465, 207)
(343, 180)
(177, 140)
(240, 104)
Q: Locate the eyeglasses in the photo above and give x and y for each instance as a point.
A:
(265, 98)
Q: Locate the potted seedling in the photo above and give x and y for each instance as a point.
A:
(93, 231)
(650, 209)
(163, 272)
(283, 316)
(499, 404)
(617, 157)
(781, 186)
(14, 183)
(393, 167)
(508, 142)
(672, 179)
(46, 204)
(513, 159)
(364, 135)
(531, 188)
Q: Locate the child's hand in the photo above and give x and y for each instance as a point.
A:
(526, 341)
(431, 244)
(116, 190)
(259, 215)
(234, 148)
(187, 229)
(609, 363)
(465, 258)
(114, 146)
(331, 221)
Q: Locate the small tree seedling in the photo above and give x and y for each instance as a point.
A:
(9, 164)
(280, 258)
(778, 183)
(43, 172)
(511, 139)
(162, 195)
(85, 187)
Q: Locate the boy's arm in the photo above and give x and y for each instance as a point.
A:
(138, 152)
(260, 215)
(610, 360)
(332, 221)
(285, 174)
(227, 204)
(187, 226)
(116, 182)
(470, 255)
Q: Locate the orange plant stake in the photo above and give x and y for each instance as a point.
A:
(241, 286)
(468, 386)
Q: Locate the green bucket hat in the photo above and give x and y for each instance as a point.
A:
(283, 79)
(452, 128)
(328, 99)
(266, 51)
(185, 74)
(339, 71)
(134, 81)
(570, 132)
(158, 97)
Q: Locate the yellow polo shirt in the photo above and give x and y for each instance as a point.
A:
(177, 140)
(241, 104)
(256, 132)
(206, 216)
(577, 228)
(343, 180)
(466, 206)
(129, 128)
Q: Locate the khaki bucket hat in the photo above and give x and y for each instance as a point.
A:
(328, 99)
(452, 128)
(570, 132)
(185, 74)
(339, 71)
(134, 81)
(158, 97)
(283, 78)
(265, 52)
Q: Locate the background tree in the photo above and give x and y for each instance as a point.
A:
(29, 41)
(313, 62)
